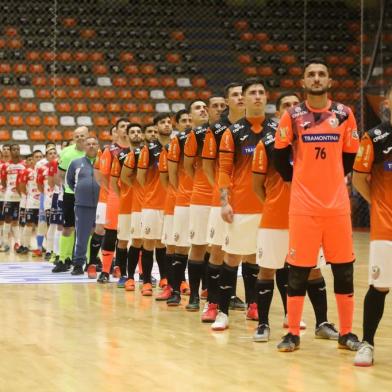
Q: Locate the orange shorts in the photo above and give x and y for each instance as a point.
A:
(112, 211)
(308, 233)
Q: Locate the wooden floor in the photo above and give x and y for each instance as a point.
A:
(85, 337)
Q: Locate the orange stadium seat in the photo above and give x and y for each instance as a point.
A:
(148, 69)
(244, 58)
(135, 119)
(20, 68)
(68, 135)
(36, 68)
(189, 95)
(335, 84)
(109, 94)
(80, 107)
(199, 82)
(287, 83)
(30, 107)
(1, 107)
(100, 69)
(87, 33)
(16, 120)
(147, 120)
(177, 35)
(104, 135)
(348, 83)
(141, 94)
(51, 121)
(340, 71)
(63, 107)
(93, 93)
(173, 58)
(241, 25)
(39, 81)
(126, 57)
(76, 93)
(146, 108)
(204, 95)
(388, 70)
(265, 71)
(60, 93)
(124, 94)
(2, 43)
(130, 107)
(12, 107)
(11, 31)
(56, 81)
(114, 107)
(282, 48)
(168, 81)
(54, 135)
(101, 121)
(246, 36)
(49, 56)
(366, 60)
(262, 37)
(33, 56)
(288, 59)
(136, 82)
(15, 43)
(267, 47)
(4, 134)
(80, 56)
(295, 71)
(152, 82)
(69, 22)
(3, 120)
(10, 93)
(120, 81)
(173, 94)
(37, 136)
(43, 93)
(250, 71)
(33, 121)
(340, 96)
(333, 59)
(131, 69)
(5, 68)
(355, 49)
(96, 56)
(72, 81)
(348, 60)
(97, 107)
(64, 56)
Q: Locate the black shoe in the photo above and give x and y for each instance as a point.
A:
(349, 341)
(20, 250)
(194, 304)
(174, 299)
(60, 267)
(103, 278)
(237, 304)
(77, 270)
(68, 263)
(289, 343)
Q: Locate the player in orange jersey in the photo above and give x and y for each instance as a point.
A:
(241, 209)
(153, 203)
(373, 179)
(216, 225)
(125, 194)
(113, 202)
(323, 137)
(128, 177)
(273, 234)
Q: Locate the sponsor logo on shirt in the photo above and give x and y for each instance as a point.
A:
(388, 166)
(321, 138)
(380, 137)
(248, 150)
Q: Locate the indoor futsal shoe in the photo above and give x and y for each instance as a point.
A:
(252, 313)
(174, 300)
(163, 283)
(349, 341)
(221, 322)
(237, 303)
(165, 294)
(92, 271)
(204, 294)
(121, 282)
(129, 285)
(210, 312)
(262, 333)
(60, 267)
(147, 290)
(327, 330)
(77, 270)
(289, 343)
(365, 355)
(103, 278)
(194, 304)
(184, 288)
(116, 272)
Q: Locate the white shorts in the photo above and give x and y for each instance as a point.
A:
(152, 223)
(181, 226)
(100, 216)
(167, 230)
(241, 235)
(380, 263)
(124, 227)
(198, 221)
(216, 228)
(272, 246)
(136, 225)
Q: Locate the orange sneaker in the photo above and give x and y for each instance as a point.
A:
(37, 253)
(165, 294)
(116, 272)
(130, 285)
(163, 283)
(147, 290)
(252, 313)
(92, 271)
(204, 294)
(184, 288)
(209, 313)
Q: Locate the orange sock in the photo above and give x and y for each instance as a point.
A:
(107, 259)
(345, 304)
(295, 306)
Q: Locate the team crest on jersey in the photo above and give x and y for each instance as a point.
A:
(377, 132)
(147, 230)
(375, 272)
(176, 237)
(333, 122)
(212, 232)
(355, 135)
(191, 234)
(283, 132)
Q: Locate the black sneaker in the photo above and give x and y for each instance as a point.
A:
(77, 270)
(60, 267)
(68, 263)
(48, 255)
(174, 299)
(194, 304)
(103, 278)
(349, 341)
(20, 250)
(237, 304)
(289, 343)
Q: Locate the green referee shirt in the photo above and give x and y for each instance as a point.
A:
(66, 156)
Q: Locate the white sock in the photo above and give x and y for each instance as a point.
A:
(50, 238)
(56, 242)
(16, 233)
(26, 237)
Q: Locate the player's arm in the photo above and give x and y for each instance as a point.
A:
(163, 169)
(173, 157)
(114, 176)
(105, 164)
(127, 171)
(190, 151)
(40, 180)
(52, 172)
(226, 166)
(350, 144)
(3, 174)
(283, 149)
(208, 155)
(21, 182)
(142, 167)
(363, 166)
(259, 171)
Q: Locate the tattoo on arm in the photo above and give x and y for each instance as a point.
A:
(224, 197)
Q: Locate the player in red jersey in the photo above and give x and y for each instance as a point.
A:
(216, 225)
(153, 203)
(323, 138)
(5, 157)
(373, 179)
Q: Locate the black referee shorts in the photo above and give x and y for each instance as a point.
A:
(69, 209)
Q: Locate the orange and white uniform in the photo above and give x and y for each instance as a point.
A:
(100, 217)
(200, 203)
(375, 158)
(183, 193)
(125, 204)
(236, 150)
(154, 192)
(319, 213)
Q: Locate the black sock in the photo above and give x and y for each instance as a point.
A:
(264, 293)
(204, 283)
(373, 309)
(234, 291)
(179, 265)
(318, 297)
(249, 273)
(195, 272)
(160, 254)
(147, 263)
(95, 246)
(213, 274)
(133, 259)
(281, 276)
(121, 260)
(169, 269)
(226, 284)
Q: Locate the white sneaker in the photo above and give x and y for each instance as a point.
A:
(365, 355)
(221, 322)
(302, 324)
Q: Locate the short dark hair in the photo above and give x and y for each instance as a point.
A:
(14, 144)
(6, 145)
(250, 82)
(316, 60)
(121, 119)
(112, 129)
(214, 96)
(180, 113)
(147, 126)
(160, 117)
(35, 151)
(28, 156)
(134, 124)
(226, 89)
(192, 102)
(285, 94)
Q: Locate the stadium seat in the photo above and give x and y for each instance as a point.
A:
(37, 135)
(72, 81)
(10, 93)
(101, 121)
(14, 43)
(54, 135)
(84, 120)
(43, 93)
(104, 136)
(104, 81)
(287, 83)
(177, 35)
(67, 121)
(147, 69)
(80, 107)
(30, 107)
(183, 82)
(64, 56)
(33, 121)
(100, 69)
(130, 107)
(46, 107)
(136, 82)
(87, 33)
(119, 81)
(204, 95)
(141, 94)
(96, 56)
(173, 94)
(4, 135)
(288, 59)
(93, 93)
(265, 71)
(175, 107)
(19, 134)
(49, 56)
(109, 94)
(173, 58)
(131, 69)
(113, 107)
(97, 107)
(3, 120)
(246, 36)
(126, 57)
(124, 94)
(168, 81)
(340, 71)
(80, 56)
(5, 68)
(267, 48)
(157, 94)
(33, 56)
(250, 71)
(241, 25)
(76, 93)
(152, 82)
(295, 71)
(56, 81)
(146, 108)
(262, 37)
(162, 107)
(60, 93)
(12, 107)
(244, 59)
(20, 68)
(36, 68)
